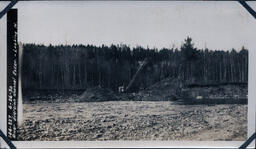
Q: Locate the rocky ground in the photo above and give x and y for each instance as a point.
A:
(132, 120)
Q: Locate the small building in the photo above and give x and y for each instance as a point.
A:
(121, 89)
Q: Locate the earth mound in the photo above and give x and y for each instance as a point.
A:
(174, 89)
(98, 94)
(164, 90)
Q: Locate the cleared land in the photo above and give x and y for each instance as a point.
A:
(133, 120)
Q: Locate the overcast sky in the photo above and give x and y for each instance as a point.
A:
(216, 25)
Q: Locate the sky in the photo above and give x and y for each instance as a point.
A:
(215, 25)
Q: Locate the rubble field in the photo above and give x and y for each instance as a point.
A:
(132, 120)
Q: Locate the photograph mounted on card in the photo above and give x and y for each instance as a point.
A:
(130, 71)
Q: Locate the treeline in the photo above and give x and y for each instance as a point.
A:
(77, 67)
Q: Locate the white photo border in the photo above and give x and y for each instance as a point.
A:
(122, 144)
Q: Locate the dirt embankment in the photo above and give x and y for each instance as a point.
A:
(172, 89)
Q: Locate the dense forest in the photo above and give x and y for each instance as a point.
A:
(77, 67)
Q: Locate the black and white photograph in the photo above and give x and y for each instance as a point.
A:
(134, 71)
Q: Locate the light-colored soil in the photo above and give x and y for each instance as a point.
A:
(133, 120)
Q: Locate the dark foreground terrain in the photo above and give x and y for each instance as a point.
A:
(132, 120)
